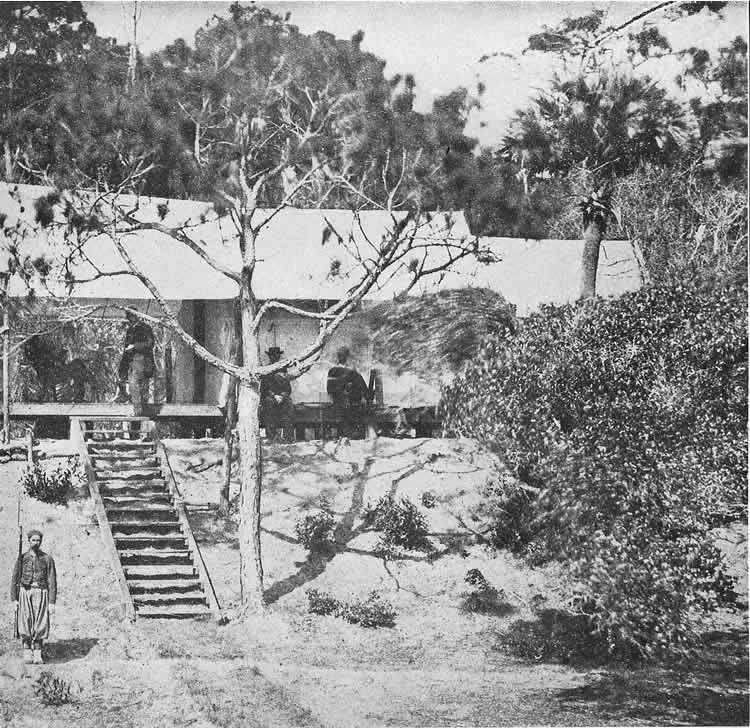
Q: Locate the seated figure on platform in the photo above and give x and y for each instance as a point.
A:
(349, 394)
(276, 407)
(73, 377)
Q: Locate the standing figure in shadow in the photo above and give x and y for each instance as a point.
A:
(349, 394)
(276, 407)
(136, 366)
(33, 589)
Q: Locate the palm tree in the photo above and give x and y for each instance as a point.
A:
(605, 122)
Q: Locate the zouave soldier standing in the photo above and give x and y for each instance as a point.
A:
(33, 589)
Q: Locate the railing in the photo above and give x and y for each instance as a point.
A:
(101, 516)
(179, 503)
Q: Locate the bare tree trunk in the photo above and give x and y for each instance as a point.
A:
(592, 239)
(248, 428)
(229, 388)
(8, 158)
(231, 416)
(251, 567)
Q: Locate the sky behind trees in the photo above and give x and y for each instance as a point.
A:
(440, 43)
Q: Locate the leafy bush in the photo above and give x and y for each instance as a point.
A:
(429, 499)
(52, 690)
(315, 531)
(374, 611)
(50, 485)
(401, 523)
(629, 417)
(322, 603)
(483, 597)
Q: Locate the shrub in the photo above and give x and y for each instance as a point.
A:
(429, 499)
(50, 485)
(483, 597)
(401, 523)
(630, 417)
(374, 611)
(322, 603)
(52, 690)
(315, 531)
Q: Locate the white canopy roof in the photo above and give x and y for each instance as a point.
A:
(296, 262)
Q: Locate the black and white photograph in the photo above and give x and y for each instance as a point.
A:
(372, 363)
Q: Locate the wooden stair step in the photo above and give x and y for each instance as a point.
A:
(125, 456)
(125, 474)
(153, 556)
(145, 542)
(160, 572)
(173, 612)
(125, 483)
(143, 499)
(165, 586)
(91, 435)
(121, 444)
(137, 528)
(154, 512)
(197, 599)
(134, 490)
(113, 462)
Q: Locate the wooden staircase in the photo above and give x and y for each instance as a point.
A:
(144, 523)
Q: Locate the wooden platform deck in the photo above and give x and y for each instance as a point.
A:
(310, 420)
(103, 410)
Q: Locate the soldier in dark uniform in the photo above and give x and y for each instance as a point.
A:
(137, 363)
(33, 589)
(276, 404)
(349, 394)
(136, 366)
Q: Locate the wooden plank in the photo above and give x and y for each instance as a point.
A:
(179, 503)
(111, 410)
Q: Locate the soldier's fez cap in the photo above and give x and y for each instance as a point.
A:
(274, 351)
(34, 532)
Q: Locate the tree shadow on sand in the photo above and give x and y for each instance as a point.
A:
(67, 650)
(344, 532)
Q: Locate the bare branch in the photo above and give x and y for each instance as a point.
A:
(630, 21)
(268, 305)
(179, 234)
(171, 320)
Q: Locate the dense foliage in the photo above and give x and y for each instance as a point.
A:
(630, 418)
(50, 484)
(401, 524)
(53, 690)
(372, 611)
(435, 333)
(315, 531)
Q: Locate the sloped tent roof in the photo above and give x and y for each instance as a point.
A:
(531, 273)
(293, 263)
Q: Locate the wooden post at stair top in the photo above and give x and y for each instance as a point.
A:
(30, 445)
(6, 376)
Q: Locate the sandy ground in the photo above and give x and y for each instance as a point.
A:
(437, 666)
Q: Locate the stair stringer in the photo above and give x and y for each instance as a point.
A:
(179, 505)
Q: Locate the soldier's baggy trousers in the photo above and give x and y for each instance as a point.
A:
(138, 377)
